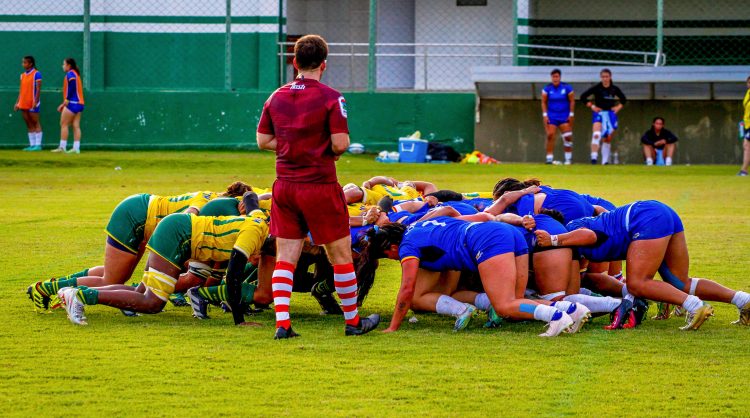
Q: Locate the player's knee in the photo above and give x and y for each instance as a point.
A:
(596, 137)
(637, 288)
(152, 305)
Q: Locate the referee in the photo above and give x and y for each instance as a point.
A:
(304, 122)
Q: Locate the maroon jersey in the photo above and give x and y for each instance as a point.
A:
(302, 115)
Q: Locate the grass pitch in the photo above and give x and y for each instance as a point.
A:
(55, 207)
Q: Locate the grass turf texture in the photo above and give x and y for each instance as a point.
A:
(56, 206)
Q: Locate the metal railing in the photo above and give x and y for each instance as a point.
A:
(469, 54)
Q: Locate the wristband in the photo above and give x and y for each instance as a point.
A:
(554, 240)
(544, 114)
(571, 114)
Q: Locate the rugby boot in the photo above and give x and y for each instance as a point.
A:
(365, 325)
(73, 306)
(579, 316)
(620, 315)
(695, 320)
(555, 327)
(493, 319)
(744, 318)
(198, 303)
(463, 320)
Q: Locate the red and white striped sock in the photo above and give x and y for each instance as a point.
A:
(346, 287)
(281, 284)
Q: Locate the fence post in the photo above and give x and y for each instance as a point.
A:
(371, 65)
(659, 29)
(228, 47)
(515, 32)
(282, 48)
(87, 44)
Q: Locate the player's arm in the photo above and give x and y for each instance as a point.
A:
(545, 118)
(572, 101)
(410, 207)
(621, 96)
(38, 82)
(379, 180)
(579, 238)
(18, 100)
(339, 143)
(424, 187)
(498, 206)
(585, 97)
(409, 269)
(512, 218)
(266, 141)
(598, 210)
(237, 263)
(441, 211)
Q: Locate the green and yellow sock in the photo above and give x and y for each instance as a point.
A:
(50, 287)
(218, 294)
(82, 273)
(88, 296)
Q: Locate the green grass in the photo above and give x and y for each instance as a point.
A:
(54, 209)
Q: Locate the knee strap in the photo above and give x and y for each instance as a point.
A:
(567, 134)
(596, 137)
(567, 143)
(201, 270)
(670, 278)
(551, 296)
(693, 285)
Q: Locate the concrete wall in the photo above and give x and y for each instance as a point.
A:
(512, 130)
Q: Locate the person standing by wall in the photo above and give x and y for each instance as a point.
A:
(71, 107)
(558, 103)
(305, 123)
(658, 138)
(28, 102)
(607, 103)
(746, 140)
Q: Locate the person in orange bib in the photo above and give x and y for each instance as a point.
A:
(71, 107)
(28, 102)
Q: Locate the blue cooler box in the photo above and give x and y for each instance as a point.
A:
(412, 150)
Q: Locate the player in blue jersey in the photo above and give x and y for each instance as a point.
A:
(607, 102)
(649, 235)
(495, 250)
(613, 268)
(558, 104)
(527, 198)
(71, 107)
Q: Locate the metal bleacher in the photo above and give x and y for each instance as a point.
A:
(638, 83)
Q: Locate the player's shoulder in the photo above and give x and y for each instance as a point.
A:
(567, 86)
(329, 91)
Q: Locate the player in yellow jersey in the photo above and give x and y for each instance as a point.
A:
(130, 227)
(378, 187)
(746, 140)
(180, 237)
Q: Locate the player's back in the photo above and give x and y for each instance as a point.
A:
(439, 244)
(611, 231)
(303, 115)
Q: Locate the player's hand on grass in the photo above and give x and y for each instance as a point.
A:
(389, 330)
(543, 238)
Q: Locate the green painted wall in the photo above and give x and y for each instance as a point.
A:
(150, 119)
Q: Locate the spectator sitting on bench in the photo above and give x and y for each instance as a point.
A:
(658, 138)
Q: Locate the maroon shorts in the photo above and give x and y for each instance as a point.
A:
(318, 208)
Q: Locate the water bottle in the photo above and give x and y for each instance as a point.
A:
(659, 157)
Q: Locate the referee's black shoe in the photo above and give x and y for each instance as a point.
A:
(365, 325)
(284, 333)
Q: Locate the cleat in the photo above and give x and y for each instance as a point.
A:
(620, 315)
(178, 300)
(284, 333)
(742, 173)
(679, 311)
(493, 319)
(744, 318)
(568, 162)
(129, 314)
(225, 307)
(30, 148)
(593, 161)
(663, 311)
(198, 303)
(73, 151)
(580, 316)
(59, 149)
(365, 325)
(73, 306)
(463, 320)
(327, 302)
(631, 321)
(557, 326)
(640, 309)
(694, 321)
(55, 302)
(41, 302)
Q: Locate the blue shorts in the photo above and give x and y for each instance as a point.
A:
(543, 223)
(608, 119)
(747, 134)
(557, 120)
(489, 239)
(75, 107)
(649, 219)
(34, 109)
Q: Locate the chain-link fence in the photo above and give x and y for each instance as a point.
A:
(143, 44)
(433, 44)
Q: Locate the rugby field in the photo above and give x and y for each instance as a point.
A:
(54, 209)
